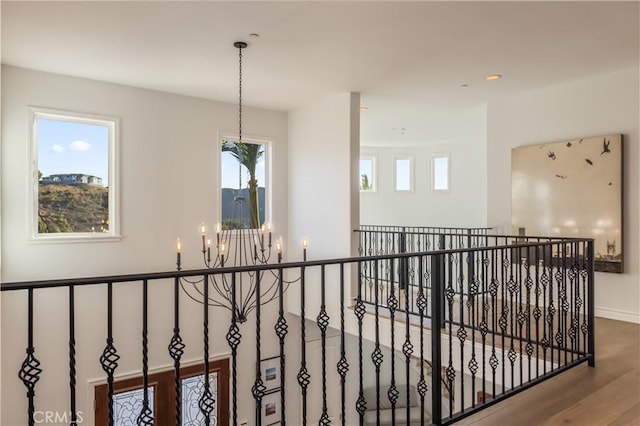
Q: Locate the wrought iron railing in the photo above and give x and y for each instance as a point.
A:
(490, 321)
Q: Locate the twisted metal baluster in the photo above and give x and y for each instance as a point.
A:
(30, 371)
(109, 358)
(258, 389)
(176, 350)
(281, 329)
(146, 416)
(323, 322)
(206, 401)
(303, 375)
(233, 338)
(72, 357)
(359, 311)
(343, 365)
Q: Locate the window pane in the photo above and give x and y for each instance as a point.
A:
(243, 177)
(127, 406)
(73, 176)
(366, 174)
(441, 173)
(192, 388)
(403, 174)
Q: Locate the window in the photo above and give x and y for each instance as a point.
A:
(74, 175)
(244, 197)
(367, 174)
(404, 174)
(128, 396)
(440, 172)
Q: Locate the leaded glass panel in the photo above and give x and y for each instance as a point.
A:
(192, 388)
(127, 406)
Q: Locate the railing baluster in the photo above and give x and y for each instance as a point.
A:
(592, 307)
(323, 322)
(258, 389)
(303, 374)
(206, 401)
(407, 347)
(360, 311)
(376, 355)
(109, 358)
(281, 330)
(176, 350)
(145, 417)
(30, 370)
(72, 356)
(233, 339)
(437, 284)
(343, 365)
(392, 303)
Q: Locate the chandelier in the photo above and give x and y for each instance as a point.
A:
(243, 246)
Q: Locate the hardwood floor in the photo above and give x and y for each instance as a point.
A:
(608, 394)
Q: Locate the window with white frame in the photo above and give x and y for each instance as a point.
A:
(440, 173)
(404, 174)
(244, 189)
(367, 174)
(74, 175)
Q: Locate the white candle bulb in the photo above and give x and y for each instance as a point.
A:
(178, 246)
(305, 243)
(203, 229)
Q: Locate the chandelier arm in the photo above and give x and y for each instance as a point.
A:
(191, 281)
(223, 292)
(215, 302)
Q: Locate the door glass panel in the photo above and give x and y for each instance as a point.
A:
(127, 406)
(192, 388)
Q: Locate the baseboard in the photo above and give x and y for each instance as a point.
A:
(616, 314)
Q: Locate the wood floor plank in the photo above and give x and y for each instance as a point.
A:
(583, 396)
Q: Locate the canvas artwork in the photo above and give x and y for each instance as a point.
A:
(571, 188)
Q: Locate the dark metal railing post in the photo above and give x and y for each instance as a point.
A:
(72, 356)
(281, 330)
(176, 350)
(343, 365)
(360, 311)
(259, 388)
(592, 305)
(303, 374)
(146, 416)
(109, 358)
(233, 338)
(30, 370)
(205, 403)
(323, 322)
(437, 313)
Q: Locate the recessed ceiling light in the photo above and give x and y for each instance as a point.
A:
(254, 35)
(493, 77)
(464, 85)
(363, 108)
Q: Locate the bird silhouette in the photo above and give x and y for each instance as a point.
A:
(605, 147)
(589, 161)
(561, 176)
(551, 155)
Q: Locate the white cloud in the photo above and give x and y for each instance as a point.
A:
(57, 148)
(79, 146)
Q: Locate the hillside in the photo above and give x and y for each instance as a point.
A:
(231, 211)
(72, 208)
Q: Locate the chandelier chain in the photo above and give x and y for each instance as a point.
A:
(240, 95)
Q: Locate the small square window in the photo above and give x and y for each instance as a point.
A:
(440, 172)
(74, 176)
(367, 174)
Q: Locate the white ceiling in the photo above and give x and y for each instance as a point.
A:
(408, 59)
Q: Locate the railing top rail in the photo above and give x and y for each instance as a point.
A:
(66, 282)
(496, 236)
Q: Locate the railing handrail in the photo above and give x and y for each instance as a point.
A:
(114, 279)
(505, 236)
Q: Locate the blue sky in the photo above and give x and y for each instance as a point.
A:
(229, 172)
(68, 147)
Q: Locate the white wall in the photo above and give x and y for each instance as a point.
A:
(463, 206)
(168, 187)
(599, 105)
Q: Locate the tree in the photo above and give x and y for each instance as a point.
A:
(248, 154)
(365, 182)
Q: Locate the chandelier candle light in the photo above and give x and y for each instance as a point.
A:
(243, 246)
